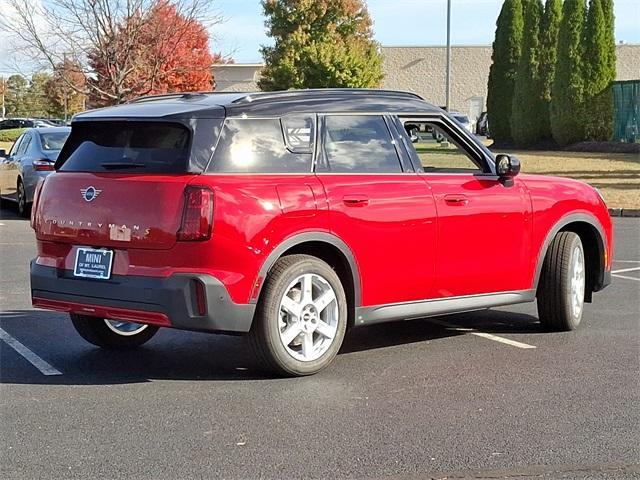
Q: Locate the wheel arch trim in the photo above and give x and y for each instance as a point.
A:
(557, 227)
(300, 238)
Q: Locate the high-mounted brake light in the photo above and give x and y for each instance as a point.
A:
(197, 216)
(43, 165)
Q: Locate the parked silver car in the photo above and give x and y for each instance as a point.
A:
(30, 159)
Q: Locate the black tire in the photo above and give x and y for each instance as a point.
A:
(264, 336)
(555, 294)
(95, 330)
(23, 207)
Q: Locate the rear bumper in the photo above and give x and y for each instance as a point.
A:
(169, 301)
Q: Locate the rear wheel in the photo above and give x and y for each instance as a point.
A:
(301, 318)
(562, 284)
(23, 206)
(112, 334)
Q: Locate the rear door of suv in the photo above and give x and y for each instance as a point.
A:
(379, 206)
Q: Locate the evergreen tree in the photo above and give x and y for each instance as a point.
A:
(610, 37)
(549, 27)
(505, 56)
(599, 68)
(567, 93)
(319, 43)
(528, 104)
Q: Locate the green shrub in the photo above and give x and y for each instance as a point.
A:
(11, 134)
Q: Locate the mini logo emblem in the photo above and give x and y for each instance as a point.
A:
(90, 193)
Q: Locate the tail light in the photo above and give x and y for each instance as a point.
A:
(197, 216)
(34, 205)
(43, 165)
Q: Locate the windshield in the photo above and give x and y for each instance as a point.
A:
(462, 118)
(53, 141)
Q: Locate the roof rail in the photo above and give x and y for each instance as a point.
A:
(161, 96)
(267, 96)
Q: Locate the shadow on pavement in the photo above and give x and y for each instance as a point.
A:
(176, 355)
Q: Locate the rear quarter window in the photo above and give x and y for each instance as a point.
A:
(259, 146)
(142, 147)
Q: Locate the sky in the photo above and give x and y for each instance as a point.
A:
(396, 22)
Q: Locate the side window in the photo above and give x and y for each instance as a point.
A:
(436, 150)
(16, 146)
(258, 146)
(24, 146)
(358, 144)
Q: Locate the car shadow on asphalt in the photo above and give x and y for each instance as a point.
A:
(9, 211)
(176, 355)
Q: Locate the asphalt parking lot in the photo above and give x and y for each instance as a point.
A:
(479, 395)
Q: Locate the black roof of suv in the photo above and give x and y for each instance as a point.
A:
(220, 105)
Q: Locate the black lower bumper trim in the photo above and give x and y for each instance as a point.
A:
(174, 296)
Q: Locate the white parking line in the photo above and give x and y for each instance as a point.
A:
(488, 336)
(633, 269)
(625, 277)
(35, 360)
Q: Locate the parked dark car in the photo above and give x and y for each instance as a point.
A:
(32, 156)
(292, 216)
(8, 123)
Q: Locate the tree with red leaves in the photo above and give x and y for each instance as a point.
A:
(171, 51)
(124, 49)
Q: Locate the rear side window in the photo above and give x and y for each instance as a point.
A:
(24, 146)
(53, 141)
(258, 146)
(358, 144)
(142, 147)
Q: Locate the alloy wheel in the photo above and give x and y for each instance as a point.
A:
(126, 329)
(309, 315)
(577, 282)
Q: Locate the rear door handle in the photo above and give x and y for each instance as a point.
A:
(355, 200)
(456, 200)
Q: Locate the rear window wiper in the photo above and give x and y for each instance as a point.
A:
(121, 165)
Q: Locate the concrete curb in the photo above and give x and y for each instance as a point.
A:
(624, 212)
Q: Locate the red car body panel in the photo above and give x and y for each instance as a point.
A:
(480, 221)
(389, 222)
(409, 238)
(408, 241)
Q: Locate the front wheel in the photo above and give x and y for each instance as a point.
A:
(301, 318)
(562, 284)
(112, 334)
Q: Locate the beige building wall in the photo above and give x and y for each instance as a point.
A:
(237, 77)
(422, 70)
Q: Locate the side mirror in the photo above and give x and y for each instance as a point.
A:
(3, 152)
(507, 167)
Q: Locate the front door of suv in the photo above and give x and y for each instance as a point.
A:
(484, 227)
(379, 206)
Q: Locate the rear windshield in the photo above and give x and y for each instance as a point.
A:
(142, 147)
(53, 141)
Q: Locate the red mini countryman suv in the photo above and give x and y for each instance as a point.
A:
(292, 216)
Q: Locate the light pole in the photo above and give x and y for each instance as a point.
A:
(448, 81)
